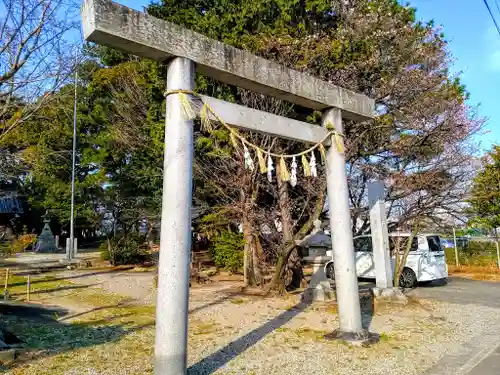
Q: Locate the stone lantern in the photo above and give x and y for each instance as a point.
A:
(313, 248)
(46, 241)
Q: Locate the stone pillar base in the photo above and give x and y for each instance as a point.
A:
(389, 295)
(319, 288)
(322, 293)
(363, 338)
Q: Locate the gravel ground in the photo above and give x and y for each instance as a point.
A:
(233, 333)
(137, 285)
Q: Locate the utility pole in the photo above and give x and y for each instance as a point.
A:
(72, 218)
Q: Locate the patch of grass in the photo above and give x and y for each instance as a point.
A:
(103, 339)
(384, 337)
(105, 333)
(282, 329)
(316, 335)
(303, 332)
(238, 301)
(332, 308)
(203, 328)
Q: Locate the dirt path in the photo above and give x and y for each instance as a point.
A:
(139, 286)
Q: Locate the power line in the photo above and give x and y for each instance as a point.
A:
(492, 16)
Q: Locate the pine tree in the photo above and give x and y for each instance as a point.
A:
(485, 195)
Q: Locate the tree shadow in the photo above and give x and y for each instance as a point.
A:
(435, 283)
(95, 309)
(62, 288)
(71, 277)
(227, 297)
(221, 357)
(44, 334)
(215, 361)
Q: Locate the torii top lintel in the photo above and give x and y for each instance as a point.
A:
(114, 25)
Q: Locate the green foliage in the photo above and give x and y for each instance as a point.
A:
(4, 248)
(22, 242)
(485, 196)
(124, 250)
(227, 250)
(376, 48)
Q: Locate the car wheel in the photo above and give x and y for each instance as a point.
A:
(408, 279)
(330, 273)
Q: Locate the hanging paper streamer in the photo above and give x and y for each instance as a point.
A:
(207, 114)
(338, 142)
(248, 158)
(270, 169)
(305, 166)
(262, 161)
(284, 174)
(312, 164)
(322, 151)
(293, 176)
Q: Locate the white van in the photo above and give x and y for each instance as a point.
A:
(426, 260)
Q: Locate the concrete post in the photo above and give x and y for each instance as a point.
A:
(380, 236)
(457, 263)
(68, 249)
(57, 241)
(498, 253)
(342, 243)
(175, 239)
(75, 247)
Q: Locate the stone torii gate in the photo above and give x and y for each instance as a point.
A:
(185, 51)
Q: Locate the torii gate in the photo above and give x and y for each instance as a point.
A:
(114, 25)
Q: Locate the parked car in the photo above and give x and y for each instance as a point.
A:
(426, 260)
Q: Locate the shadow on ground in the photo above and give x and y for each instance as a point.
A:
(83, 274)
(224, 355)
(46, 331)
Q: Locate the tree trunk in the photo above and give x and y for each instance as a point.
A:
(247, 250)
(401, 260)
(256, 261)
(149, 235)
(278, 280)
(293, 266)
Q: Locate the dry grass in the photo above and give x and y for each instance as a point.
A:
(102, 330)
(107, 334)
(483, 272)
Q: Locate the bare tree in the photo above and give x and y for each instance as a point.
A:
(36, 56)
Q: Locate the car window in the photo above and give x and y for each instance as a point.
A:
(434, 243)
(363, 244)
(400, 243)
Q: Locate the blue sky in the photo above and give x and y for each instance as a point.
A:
(475, 45)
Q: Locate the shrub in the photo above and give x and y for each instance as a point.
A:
(124, 250)
(22, 242)
(227, 251)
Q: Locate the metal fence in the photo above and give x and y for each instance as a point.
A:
(472, 251)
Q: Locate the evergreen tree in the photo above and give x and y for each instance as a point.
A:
(485, 195)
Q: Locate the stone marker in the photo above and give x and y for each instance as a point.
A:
(380, 236)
